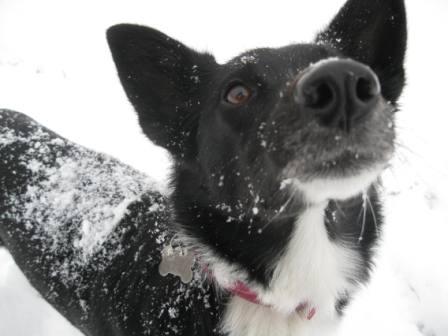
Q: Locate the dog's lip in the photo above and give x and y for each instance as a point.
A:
(341, 155)
(346, 155)
(338, 163)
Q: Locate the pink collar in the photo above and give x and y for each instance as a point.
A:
(243, 291)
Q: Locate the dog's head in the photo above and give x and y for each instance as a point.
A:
(317, 117)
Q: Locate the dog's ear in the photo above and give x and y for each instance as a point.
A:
(373, 32)
(164, 80)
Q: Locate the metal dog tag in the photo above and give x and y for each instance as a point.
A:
(177, 261)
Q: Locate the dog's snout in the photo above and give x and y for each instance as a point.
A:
(337, 93)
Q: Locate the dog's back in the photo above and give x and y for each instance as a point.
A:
(88, 233)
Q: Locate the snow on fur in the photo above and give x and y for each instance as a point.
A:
(75, 198)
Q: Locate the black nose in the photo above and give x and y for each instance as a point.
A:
(338, 93)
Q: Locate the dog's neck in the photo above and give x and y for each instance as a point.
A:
(311, 277)
(311, 260)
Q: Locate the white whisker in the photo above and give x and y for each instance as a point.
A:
(364, 210)
(281, 210)
(373, 214)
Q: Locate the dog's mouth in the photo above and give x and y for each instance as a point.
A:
(340, 179)
(339, 162)
(340, 176)
(328, 165)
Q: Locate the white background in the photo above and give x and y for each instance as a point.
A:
(55, 66)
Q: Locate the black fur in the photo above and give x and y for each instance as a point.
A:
(118, 290)
(221, 166)
(230, 163)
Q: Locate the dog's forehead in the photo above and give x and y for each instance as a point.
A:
(293, 57)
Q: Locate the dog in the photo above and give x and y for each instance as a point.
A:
(275, 210)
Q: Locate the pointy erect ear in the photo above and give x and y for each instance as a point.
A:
(164, 80)
(373, 32)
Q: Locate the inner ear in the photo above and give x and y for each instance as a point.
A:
(164, 80)
(373, 32)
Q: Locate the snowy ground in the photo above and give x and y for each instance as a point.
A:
(55, 66)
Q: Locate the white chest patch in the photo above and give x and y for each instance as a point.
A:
(313, 270)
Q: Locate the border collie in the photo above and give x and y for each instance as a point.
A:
(275, 211)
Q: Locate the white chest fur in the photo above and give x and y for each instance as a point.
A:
(313, 270)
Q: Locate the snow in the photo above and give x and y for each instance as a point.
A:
(91, 190)
(55, 66)
(248, 59)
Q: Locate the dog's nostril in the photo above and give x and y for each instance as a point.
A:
(318, 96)
(366, 89)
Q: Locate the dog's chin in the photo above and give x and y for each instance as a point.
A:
(336, 187)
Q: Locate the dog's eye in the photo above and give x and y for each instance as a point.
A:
(238, 94)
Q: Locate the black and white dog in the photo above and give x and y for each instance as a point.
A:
(275, 210)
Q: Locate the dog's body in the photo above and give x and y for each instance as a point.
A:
(88, 233)
(277, 158)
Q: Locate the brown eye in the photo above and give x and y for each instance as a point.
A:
(238, 94)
